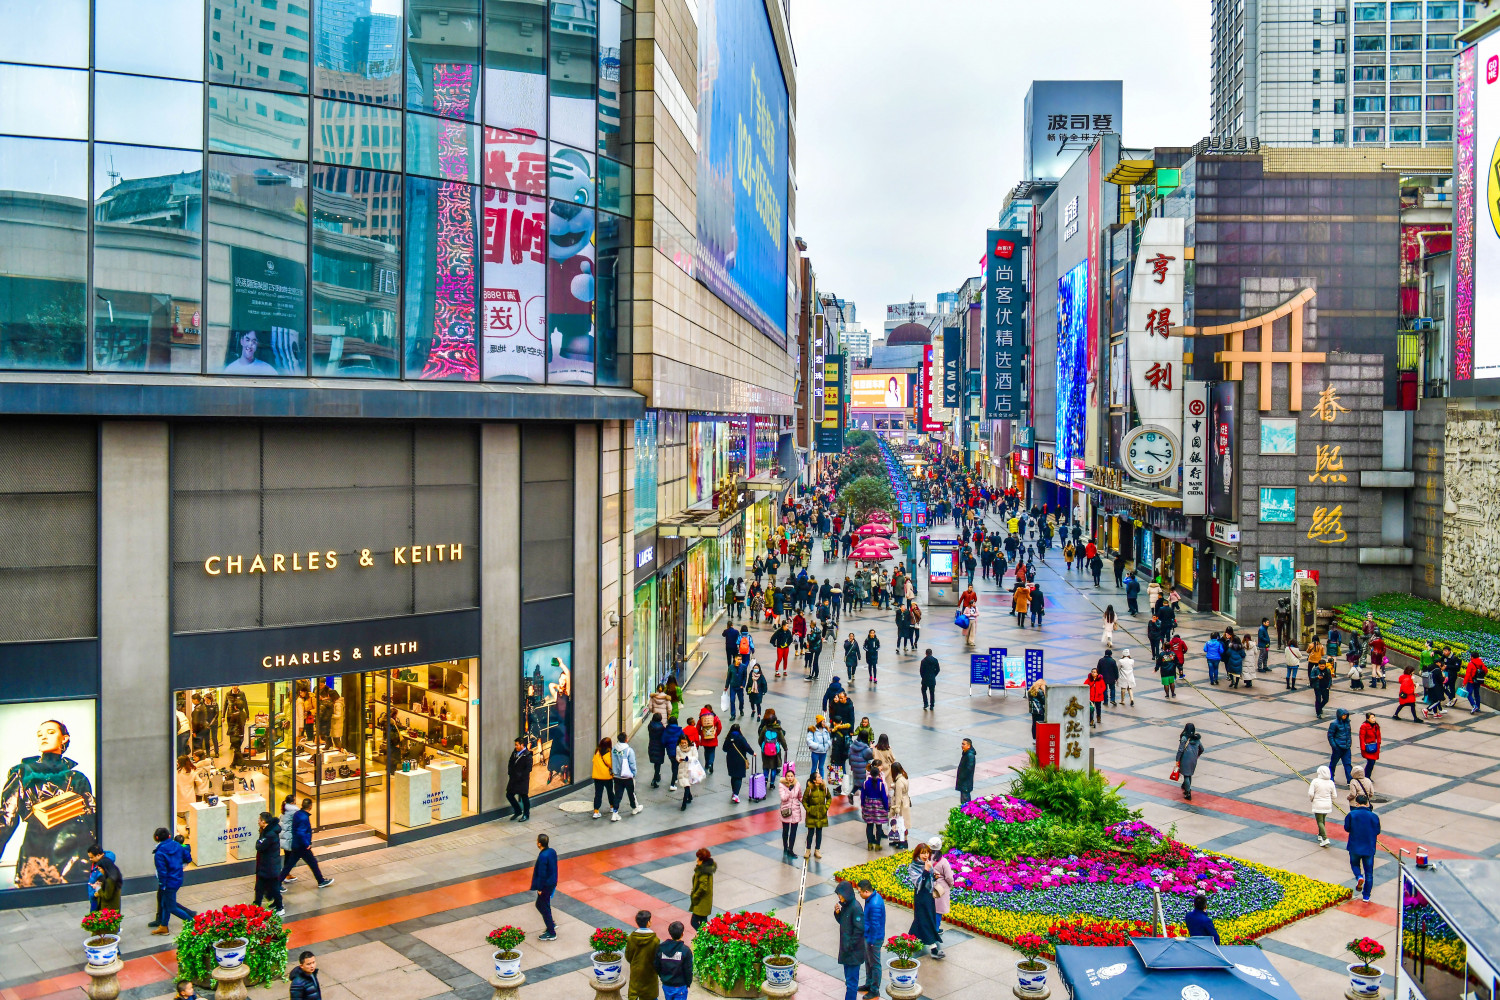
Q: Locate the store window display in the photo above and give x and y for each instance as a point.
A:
(547, 697)
(384, 750)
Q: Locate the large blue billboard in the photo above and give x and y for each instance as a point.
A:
(742, 163)
(1072, 368)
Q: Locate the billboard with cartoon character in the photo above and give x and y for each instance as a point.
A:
(570, 266)
(742, 163)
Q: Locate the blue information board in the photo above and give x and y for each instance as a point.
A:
(997, 667)
(1033, 666)
(979, 669)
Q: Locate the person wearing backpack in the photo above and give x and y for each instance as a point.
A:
(1474, 675)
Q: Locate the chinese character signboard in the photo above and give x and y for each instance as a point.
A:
(1033, 666)
(1004, 322)
(1154, 353)
(1068, 708)
(831, 426)
(928, 424)
(1062, 117)
(1195, 440)
(997, 667)
(1222, 442)
(1049, 744)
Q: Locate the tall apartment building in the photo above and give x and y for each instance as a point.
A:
(1336, 72)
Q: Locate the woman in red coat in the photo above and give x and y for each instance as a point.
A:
(1408, 695)
(1097, 690)
(1369, 738)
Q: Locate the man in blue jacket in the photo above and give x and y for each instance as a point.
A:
(544, 883)
(170, 856)
(1363, 827)
(874, 935)
(670, 737)
(302, 847)
(1340, 739)
(1262, 646)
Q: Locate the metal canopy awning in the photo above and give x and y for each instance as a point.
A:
(707, 523)
(1138, 494)
(1130, 171)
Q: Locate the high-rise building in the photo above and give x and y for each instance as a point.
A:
(1336, 72)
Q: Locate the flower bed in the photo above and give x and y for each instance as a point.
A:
(729, 949)
(1254, 899)
(266, 954)
(1407, 622)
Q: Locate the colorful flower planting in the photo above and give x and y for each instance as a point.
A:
(729, 949)
(267, 938)
(1407, 622)
(1079, 882)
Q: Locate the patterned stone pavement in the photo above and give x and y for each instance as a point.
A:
(407, 922)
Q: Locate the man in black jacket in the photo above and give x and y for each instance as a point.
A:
(518, 782)
(928, 669)
(674, 964)
(305, 978)
(268, 862)
(1110, 671)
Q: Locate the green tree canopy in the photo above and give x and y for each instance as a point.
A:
(865, 494)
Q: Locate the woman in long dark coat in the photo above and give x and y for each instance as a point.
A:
(737, 756)
(924, 926)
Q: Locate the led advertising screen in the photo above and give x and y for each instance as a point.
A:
(48, 751)
(742, 163)
(1072, 368)
(881, 390)
(1476, 353)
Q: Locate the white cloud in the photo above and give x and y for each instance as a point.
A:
(909, 121)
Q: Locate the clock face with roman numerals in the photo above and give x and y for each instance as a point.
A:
(1150, 454)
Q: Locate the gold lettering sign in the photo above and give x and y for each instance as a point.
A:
(323, 657)
(314, 561)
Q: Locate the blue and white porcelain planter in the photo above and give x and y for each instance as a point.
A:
(230, 953)
(608, 967)
(902, 979)
(102, 949)
(1031, 980)
(780, 974)
(507, 968)
(1362, 985)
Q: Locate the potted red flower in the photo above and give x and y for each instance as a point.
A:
(1031, 974)
(103, 944)
(608, 944)
(507, 944)
(1364, 978)
(902, 967)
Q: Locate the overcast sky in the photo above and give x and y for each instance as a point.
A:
(909, 121)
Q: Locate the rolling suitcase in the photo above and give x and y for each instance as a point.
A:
(757, 786)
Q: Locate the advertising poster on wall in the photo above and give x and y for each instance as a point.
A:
(49, 753)
(880, 390)
(742, 163)
(1476, 313)
(570, 267)
(547, 700)
(1223, 445)
(1072, 368)
(515, 287)
(267, 314)
(1062, 117)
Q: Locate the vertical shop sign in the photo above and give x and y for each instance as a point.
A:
(1096, 181)
(929, 425)
(830, 438)
(1195, 440)
(1005, 322)
(1154, 356)
(952, 366)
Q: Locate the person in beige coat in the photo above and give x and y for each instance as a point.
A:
(942, 876)
(900, 805)
(884, 754)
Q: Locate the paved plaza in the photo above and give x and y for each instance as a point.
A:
(408, 922)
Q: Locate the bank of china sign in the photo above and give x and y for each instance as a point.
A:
(314, 561)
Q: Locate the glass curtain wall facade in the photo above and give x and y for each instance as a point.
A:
(432, 190)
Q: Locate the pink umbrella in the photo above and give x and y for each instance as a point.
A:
(872, 529)
(863, 553)
(878, 515)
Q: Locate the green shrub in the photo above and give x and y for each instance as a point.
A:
(1072, 797)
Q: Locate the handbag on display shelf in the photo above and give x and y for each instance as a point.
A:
(329, 773)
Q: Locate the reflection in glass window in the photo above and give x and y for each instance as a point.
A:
(1406, 133)
(515, 65)
(162, 39)
(439, 147)
(442, 289)
(49, 32)
(1369, 134)
(614, 186)
(1406, 43)
(442, 58)
(1406, 72)
(357, 51)
(356, 272)
(1369, 74)
(570, 267)
(148, 258)
(43, 252)
(64, 115)
(610, 68)
(1406, 102)
(516, 161)
(515, 287)
(255, 123)
(146, 111)
(1442, 10)
(257, 266)
(1369, 12)
(357, 135)
(1440, 71)
(255, 45)
(1406, 11)
(612, 295)
(571, 75)
(1440, 133)
(1369, 43)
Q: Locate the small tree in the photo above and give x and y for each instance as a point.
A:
(865, 494)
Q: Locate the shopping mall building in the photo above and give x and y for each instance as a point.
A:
(374, 389)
